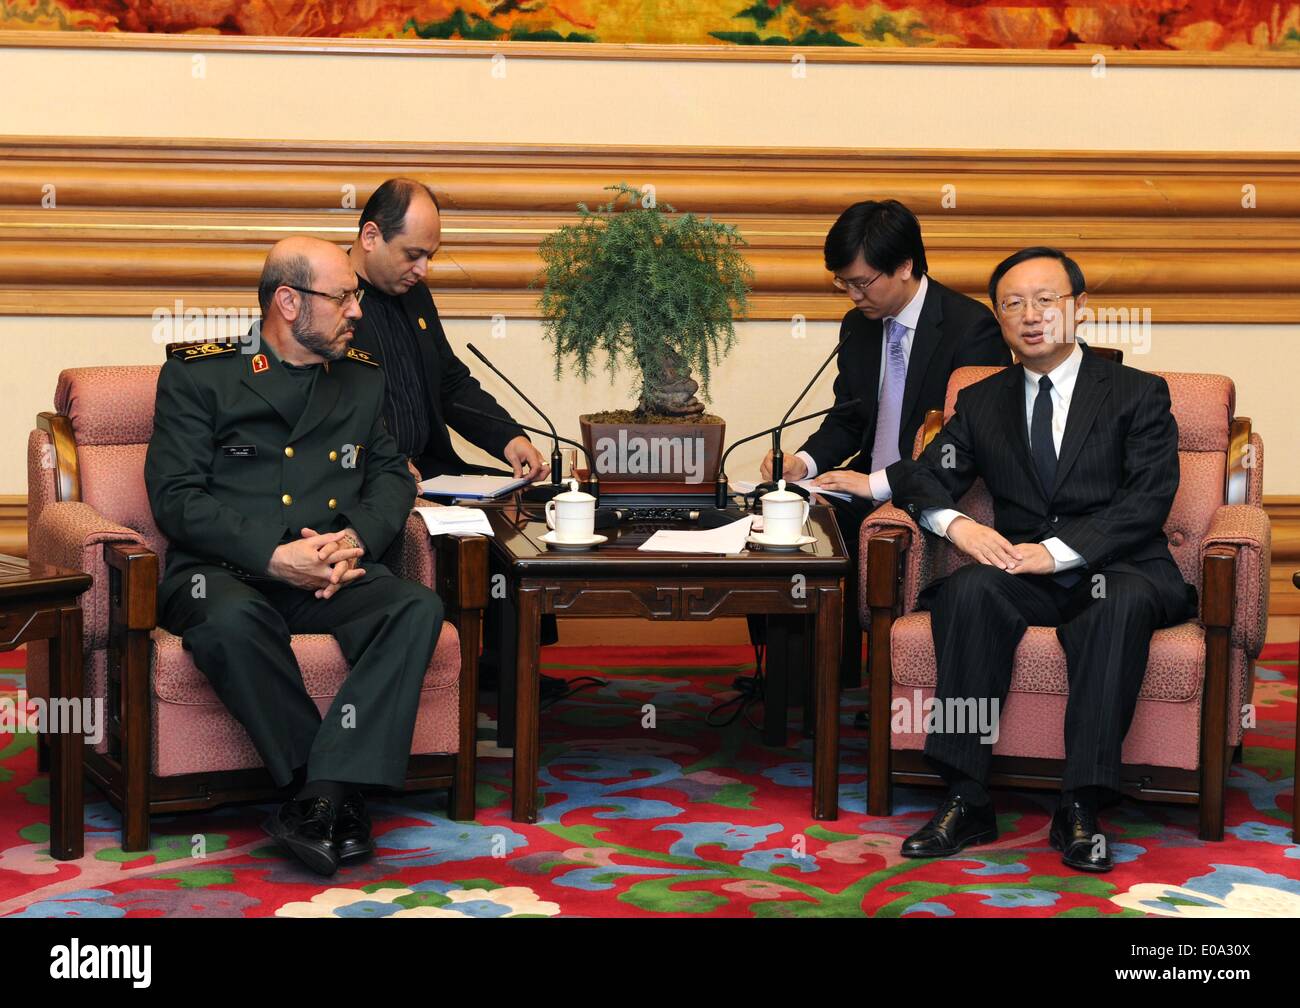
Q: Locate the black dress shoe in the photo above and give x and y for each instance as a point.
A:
(305, 828)
(955, 825)
(1078, 836)
(352, 830)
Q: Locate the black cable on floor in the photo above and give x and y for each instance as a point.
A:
(749, 692)
(576, 685)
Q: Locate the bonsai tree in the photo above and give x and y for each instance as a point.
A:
(654, 290)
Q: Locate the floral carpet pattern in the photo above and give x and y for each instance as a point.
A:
(649, 811)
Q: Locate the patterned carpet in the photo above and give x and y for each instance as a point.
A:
(680, 819)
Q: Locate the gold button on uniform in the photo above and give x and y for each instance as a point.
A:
(288, 451)
(286, 500)
(333, 503)
(334, 456)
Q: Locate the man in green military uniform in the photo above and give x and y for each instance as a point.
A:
(274, 478)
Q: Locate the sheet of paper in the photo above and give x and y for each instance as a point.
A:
(727, 539)
(454, 520)
(483, 487)
(745, 486)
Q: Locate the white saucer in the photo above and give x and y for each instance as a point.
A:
(759, 539)
(572, 544)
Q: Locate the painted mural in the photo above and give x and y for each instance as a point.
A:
(1191, 26)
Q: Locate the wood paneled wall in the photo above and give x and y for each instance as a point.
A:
(129, 226)
(122, 227)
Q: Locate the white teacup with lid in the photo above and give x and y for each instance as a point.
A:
(784, 515)
(572, 515)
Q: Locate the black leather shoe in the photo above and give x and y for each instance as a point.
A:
(352, 830)
(1078, 836)
(955, 825)
(305, 828)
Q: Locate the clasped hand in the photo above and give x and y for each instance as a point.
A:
(987, 546)
(320, 563)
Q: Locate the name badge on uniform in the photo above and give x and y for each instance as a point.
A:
(239, 451)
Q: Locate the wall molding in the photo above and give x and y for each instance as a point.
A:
(456, 48)
(13, 524)
(137, 223)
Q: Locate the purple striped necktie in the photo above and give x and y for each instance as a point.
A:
(889, 414)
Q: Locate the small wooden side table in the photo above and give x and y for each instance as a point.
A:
(38, 602)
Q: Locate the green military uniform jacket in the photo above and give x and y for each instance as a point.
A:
(237, 466)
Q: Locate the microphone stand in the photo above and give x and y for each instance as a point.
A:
(778, 457)
(721, 486)
(557, 462)
(593, 481)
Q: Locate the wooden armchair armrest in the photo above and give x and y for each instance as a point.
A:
(132, 615)
(461, 571)
(132, 586)
(461, 580)
(1218, 602)
(1244, 530)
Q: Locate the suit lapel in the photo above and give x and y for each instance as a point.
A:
(272, 384)
(417, 304)
(1091, 388)
(925, 340)
(1013, 409)
(324, 396)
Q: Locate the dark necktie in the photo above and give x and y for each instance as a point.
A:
(1041, 445)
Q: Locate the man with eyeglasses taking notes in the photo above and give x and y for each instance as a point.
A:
(905, 334)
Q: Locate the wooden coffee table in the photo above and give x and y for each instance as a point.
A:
(40, 603)
(615, 579)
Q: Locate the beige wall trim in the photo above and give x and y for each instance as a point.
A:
(13, 524)
(608, 51)
(124, 226)
(1284, 516)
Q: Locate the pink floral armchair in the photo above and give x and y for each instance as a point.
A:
(1193, 703)
(170, 744)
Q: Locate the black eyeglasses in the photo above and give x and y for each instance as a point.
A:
(340, 300)
(857, 286)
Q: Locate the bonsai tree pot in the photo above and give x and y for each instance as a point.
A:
(684, 452)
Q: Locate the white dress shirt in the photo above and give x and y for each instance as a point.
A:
(909, 316)
(1063, 377)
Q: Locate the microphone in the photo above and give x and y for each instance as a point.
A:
(778, 457)
(720, 490)
(557, 463)
(593, 481)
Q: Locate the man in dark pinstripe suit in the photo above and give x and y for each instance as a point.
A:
(1080, 456)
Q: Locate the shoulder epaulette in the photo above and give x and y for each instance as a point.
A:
(361, 357)
(199, 351)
